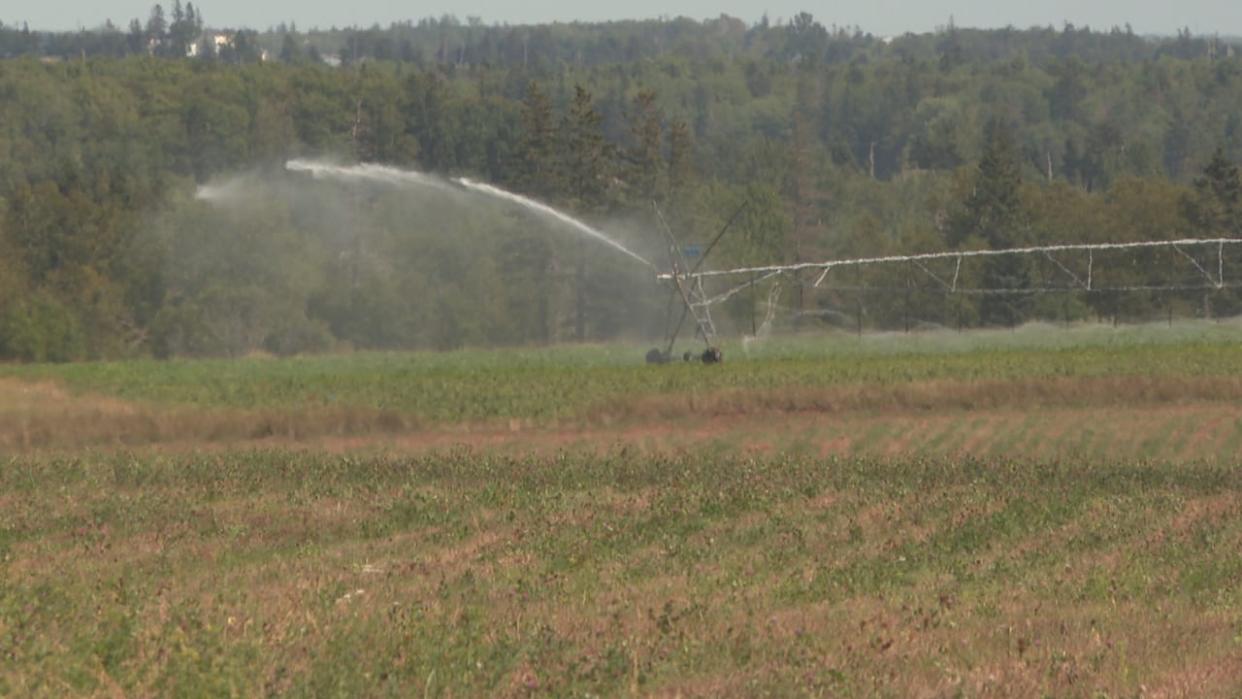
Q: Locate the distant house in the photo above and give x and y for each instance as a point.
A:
(332, 59)
(194, 49)
(219, 41)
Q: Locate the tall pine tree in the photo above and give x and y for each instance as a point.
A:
(1215, 206)
(537, 171)
(992, 217)
(644, 157)
(587, 167)
(585, 153)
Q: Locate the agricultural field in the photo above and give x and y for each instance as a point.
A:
(1045, 511)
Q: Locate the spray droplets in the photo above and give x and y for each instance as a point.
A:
(368, 172)
(231, 190)
(550, 212)
(220, 192)
(396, 177)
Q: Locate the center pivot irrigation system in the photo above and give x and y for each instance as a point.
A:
(1083, 267)
(687, 284)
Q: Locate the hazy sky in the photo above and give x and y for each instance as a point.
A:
(876, 16)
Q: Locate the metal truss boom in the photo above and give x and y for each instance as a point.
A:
(1215, 278)
(958, 255)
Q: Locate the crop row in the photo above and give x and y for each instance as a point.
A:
(469, 573)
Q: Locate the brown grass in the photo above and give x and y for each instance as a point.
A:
(1149, 418)
(41, 416)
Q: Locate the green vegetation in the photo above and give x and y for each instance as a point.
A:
(1018, 512)
(572, 382)
(841, 143)
(1045, 509)
(467, 573)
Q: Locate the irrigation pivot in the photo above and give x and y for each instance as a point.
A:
(688, 287)
(959, 255)
(1076, 265)
(1162, 266)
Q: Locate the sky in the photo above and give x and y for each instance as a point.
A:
(880, 17)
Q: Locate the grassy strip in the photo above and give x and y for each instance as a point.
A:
(473, 386)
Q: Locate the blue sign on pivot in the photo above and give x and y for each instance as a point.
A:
(692, 252)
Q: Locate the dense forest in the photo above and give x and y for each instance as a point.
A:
(832, 143)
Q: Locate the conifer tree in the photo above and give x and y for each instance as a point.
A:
(992, 212)
(1215, 206)
(536, 170)
(585, 153)
(587, 169)
(680, 156)
(644, 157)
(992, 216)
(157, 29)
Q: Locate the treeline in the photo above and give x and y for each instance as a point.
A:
(548, 48)
(977, 139)
(545, 49)
(180, 33)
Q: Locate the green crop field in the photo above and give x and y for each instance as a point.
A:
(566, 383)
(466, 574)
(1041, 512)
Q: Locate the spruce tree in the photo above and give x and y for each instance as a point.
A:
(680, 156)
(992, 216)
(157, 29)
(1215, 207)
(644, 157)
(585, 153)
(992, 212)
(536, 169)
(587, 169)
